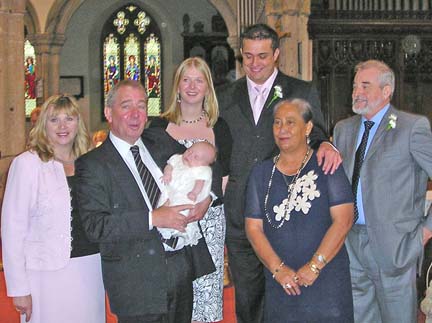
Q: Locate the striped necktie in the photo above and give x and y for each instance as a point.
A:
(150, 185)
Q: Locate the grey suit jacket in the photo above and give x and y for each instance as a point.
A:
(393, 177)
(254, 143)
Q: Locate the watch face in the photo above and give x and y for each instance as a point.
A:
(321, 259)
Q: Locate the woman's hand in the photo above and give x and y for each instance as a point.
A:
(199, 210)
(23, 304)
(288, 280)
(306, 275)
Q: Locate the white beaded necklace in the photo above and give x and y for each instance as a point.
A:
(290, 189)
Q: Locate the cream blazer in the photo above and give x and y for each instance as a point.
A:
(35, 220)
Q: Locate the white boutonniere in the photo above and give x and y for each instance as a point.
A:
(277, 94)
(392, 122)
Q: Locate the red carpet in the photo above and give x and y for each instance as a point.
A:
(9, 315)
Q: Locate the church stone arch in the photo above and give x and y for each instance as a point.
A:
(62, 11)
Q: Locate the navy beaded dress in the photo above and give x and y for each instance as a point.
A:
(329, 299)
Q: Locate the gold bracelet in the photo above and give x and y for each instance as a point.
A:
(321, 258)
(277, 270)
(314, 268)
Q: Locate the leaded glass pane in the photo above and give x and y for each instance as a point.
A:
(30, 77)
(131, 52)
(121, 22)
(153, 84)
(142, 22)
(111, 63)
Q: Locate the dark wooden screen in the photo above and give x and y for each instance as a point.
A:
(345, 32)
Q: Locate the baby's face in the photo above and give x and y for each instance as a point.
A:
(198, 155)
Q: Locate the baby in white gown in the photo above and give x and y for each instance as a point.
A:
(188, 180)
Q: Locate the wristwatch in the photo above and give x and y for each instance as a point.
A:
(321, 258)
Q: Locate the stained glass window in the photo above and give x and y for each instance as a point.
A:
(153, 84)
(132, 50)
(111, 62)
(29, 77)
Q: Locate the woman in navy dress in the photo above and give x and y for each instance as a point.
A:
(297, 219)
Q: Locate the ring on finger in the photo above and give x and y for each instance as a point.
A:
(296, 279)
(287, 285)
(305, 285)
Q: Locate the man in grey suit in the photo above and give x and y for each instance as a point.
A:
(247, 107)
(386, 243)
(148, 279)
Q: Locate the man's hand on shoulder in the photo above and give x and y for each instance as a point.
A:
(328, 157)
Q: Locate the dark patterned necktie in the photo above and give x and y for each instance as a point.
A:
(359, 157)
(150, 185)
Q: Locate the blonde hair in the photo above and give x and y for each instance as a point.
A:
(210, 104)
(38, 140)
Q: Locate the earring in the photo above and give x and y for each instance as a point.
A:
(307, 140)
(178, 97)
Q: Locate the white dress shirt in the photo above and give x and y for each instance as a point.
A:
(124, 150)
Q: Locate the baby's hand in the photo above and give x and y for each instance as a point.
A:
(166, 178)
(192, 196)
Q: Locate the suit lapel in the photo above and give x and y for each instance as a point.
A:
(267, 111)
(121, 172)
(243, 100)
(380, 134)
(351, 141)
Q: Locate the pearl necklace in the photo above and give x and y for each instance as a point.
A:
(202, 115)
(290, 188)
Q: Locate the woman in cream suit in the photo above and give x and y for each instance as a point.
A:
(52, 271)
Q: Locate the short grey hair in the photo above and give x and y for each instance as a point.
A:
(304, 107)
(112, 94)
(386, 76)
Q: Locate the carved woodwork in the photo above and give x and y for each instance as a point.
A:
(342, 38)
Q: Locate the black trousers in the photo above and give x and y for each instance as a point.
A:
(248, 277)
(180, 294)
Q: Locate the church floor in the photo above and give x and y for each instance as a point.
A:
(9, 315)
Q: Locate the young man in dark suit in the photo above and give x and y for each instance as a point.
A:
(247, 106)
(147, 279)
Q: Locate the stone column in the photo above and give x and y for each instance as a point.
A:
(12, 113)
(289, 19)
(48, 48)
(234, 43)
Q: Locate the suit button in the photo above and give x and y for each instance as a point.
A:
(258, 136)
(255, 160)
(138, 255)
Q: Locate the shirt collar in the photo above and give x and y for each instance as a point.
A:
(377, 118)
(122, 146)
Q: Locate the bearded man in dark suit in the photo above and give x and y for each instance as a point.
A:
(247, 106)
